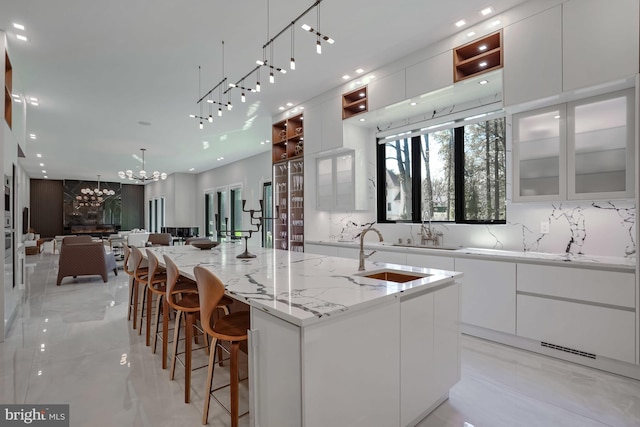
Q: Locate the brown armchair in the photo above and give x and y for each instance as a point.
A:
(160, 239)
(80, 256)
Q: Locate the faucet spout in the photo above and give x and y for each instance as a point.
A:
(363, 256)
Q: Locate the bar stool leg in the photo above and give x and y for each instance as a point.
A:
(234, 383)
(157, 319)
(187, 356)
(135, 291)
(212, 365)
(176, 337)
(149, 312)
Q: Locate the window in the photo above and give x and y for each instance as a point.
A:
(209, 214)
(222, 219)
(236, 212)
(456, 173)
(156, 214)
(267, 212)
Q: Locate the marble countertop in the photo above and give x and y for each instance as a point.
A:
(569, 260)
(298, 287)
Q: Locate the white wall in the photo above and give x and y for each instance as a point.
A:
(251, 173)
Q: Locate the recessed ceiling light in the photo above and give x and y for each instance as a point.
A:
(44, 171)
(192, 169)
(361, 107)
(556, 117)
(413, 103)
(18, 26)
(460, 23)
(281, 108)
(346, 77)
(220, 158)
(15, 95)
(289, 104)
(483, 82)
(486, 11)
(359, 71)
(46, 176)
(34, 103)
(471, 33)
(482, 47)
(494, 23)
(38, 155)
(33, 99)
(32, 136)
(482, 64)
(363, 119)
(262, 142)
(41, 164)
(21, 37)
(361, 94)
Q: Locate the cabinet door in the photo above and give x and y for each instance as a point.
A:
(324, 184)
(488, 294)
(533, 58)
(600, 145)
(321, 249)
(431, 261)
(332, 124)
(386, 90)
(430, 75)
(539, 154)
(600, 41)
(344, 181)
(281, 205)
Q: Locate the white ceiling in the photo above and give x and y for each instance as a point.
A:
(100, 68)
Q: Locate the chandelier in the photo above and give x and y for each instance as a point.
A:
(142, 175)
(92, 197)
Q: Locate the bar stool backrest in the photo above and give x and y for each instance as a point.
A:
(210, 292)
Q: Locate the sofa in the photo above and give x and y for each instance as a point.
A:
(81, 256)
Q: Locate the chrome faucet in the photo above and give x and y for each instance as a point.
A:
(428, 234)
(362, 254)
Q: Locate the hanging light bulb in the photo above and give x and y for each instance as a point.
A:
(243, 98)
(257, 86)
(201, 126)
(272, 79)
(219, 111)
(318, 47)
(292, 63)
(210, 118)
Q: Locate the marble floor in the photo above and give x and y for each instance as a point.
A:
(72, 344)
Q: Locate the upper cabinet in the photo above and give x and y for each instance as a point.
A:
(579, 44)
(477, 57)
(533, 57)
(335, 182)
(580, 150)
(429, 75)
(600, 41)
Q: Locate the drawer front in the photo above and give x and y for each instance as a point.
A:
(606, 287)
(431, 261)
(593, 329)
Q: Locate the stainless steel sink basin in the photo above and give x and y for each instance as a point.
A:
(396, 276)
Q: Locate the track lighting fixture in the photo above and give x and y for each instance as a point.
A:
(226, 88)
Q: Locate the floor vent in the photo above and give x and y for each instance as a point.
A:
(568, 350)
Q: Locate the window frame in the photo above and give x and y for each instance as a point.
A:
(416, 176)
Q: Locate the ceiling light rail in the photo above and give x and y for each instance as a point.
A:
(264, 62)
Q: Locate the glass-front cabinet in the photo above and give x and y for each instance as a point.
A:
(579, 150)
(539, 150)
(600, 137)
(335, 178)
(288, 199)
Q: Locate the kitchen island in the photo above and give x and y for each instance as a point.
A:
(330, 346)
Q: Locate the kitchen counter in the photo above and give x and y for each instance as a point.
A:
(300, 288)
(571, 260)
(397, 344)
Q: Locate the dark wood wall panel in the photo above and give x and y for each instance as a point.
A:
(46, 197)
(132, 206)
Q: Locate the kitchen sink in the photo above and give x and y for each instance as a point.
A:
(413, 245)
(396, 276)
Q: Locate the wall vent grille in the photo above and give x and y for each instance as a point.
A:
(568, 350)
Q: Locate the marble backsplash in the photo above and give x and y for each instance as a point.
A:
(605, 228)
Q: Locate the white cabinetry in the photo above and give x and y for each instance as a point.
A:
(386, 90)
(430, 75)
(580, 150)
(431, 261)
(321, 249)
(588, 311)
(335, 182)
(533, 57)
(430, 357)
(488, 294)
(600, 41)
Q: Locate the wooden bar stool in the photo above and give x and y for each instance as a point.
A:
(130, 266)
(232, 328)
(156, 285)
(160, 289)
(141, 275)
(187, 306)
